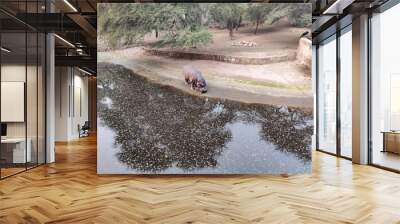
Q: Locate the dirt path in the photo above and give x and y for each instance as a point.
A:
(279, 84)
(274, 39)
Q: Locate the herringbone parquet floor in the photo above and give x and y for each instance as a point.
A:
(70, 191)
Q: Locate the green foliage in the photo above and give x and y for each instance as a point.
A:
(258, 12)
(227, 15)
(184, 24)
(298, 14)
(188, 38)
(277, 12)
(123, 23)
(127, 23)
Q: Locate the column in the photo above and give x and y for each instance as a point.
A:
(360, 90)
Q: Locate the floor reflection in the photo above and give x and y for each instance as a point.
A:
(158, 129)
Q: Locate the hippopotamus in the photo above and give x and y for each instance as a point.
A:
(194, 78)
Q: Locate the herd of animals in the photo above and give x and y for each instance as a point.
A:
(245, 43)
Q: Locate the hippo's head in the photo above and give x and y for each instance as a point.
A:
(201, 86)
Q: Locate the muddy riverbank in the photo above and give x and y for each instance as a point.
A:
(277, 84)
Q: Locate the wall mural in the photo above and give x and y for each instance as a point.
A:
(204, 88)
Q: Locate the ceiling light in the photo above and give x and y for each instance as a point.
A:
(84, 71)
(80, 51)
(64, 40)
(5, 50)
(70, 5)
(337, 7)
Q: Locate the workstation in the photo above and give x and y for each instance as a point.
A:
(13, 147)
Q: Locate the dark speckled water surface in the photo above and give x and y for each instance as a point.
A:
(147, 128)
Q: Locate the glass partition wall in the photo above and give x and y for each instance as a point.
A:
(22, 77)
(345, 108)
(334, 93)
(327, 95)
(385, 89)
(334, 96)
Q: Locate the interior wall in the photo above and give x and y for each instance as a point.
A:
(17, 73)
(62, 80)
(71, 102)
(82, 116)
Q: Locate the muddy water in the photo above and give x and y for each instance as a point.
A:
(146, 127)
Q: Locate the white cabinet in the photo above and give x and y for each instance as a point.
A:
(19, 155)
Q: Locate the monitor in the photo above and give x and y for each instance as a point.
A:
(3, 129)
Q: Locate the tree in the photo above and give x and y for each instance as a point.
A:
(184, 24)
(228, 15)
(116, 22)
(125, 24)
(297, 14)
(257, 13)
(192, 38)
(300, 15)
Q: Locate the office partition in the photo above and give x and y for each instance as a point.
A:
(334, 93)
(327, 95)
(22, 77)
(385, 89)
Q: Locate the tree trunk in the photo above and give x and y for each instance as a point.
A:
(231, 32)
(156, 33)
(238, 25)
(230, 25)
(255, 32)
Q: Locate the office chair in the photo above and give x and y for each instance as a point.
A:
(84, 130)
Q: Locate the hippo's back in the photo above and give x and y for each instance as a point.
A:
(189, 70)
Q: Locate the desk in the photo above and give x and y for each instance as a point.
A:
(16, 147)
(391, 141)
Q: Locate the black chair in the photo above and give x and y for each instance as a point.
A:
(84, 130)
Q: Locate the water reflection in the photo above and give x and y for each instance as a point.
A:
(159, 129)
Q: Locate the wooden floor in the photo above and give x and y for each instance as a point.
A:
(387, 159)
(70, 191)
(5, 172)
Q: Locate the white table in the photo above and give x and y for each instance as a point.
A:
(19, 154)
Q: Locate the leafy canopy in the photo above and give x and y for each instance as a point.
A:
(186, 24)
(129, 23)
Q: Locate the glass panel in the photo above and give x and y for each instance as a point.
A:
(31, 98)
(41, 99)
(385, 84)
(327, 96)
(31, 87)
(13, 88)
(346, 94)
(22, 89)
